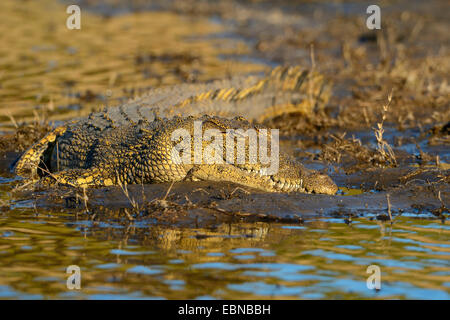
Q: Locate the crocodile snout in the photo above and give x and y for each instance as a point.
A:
(320, 183)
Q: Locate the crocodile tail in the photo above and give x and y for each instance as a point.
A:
(284, 90)
(28, 164)
(294, 90)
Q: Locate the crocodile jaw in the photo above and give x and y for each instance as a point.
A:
(310, 181)
(320, 183)
(304, 181)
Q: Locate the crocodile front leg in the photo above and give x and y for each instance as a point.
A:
(82, 178)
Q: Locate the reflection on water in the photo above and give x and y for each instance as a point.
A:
(325, 258)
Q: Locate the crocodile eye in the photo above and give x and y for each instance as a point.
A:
(177, 141)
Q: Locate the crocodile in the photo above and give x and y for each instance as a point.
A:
(133, 143)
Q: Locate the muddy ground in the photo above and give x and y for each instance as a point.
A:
(405, 171)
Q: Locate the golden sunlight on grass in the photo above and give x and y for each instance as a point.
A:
(66, 72)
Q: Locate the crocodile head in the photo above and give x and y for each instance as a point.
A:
(179, 139)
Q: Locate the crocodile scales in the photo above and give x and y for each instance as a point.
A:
(132, 143)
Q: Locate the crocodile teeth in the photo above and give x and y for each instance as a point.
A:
(291, 188)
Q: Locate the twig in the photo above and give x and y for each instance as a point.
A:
(389, 207)
(11, 117)
(168, 190)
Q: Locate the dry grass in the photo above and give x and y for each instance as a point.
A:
(133, 202)
(350, 153)
(3, 203)
(61, 70)
(25, 134)
(383, 147)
